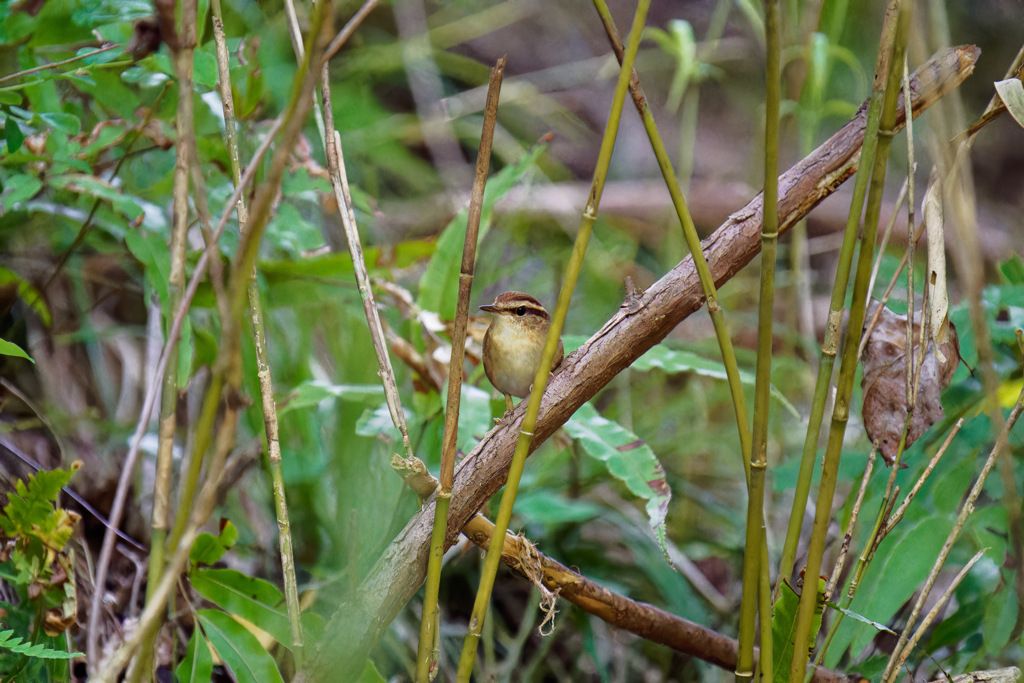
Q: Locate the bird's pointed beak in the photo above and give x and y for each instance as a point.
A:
(490, 308)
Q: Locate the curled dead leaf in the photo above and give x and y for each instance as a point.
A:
(885, 381)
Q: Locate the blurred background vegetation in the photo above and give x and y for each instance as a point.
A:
(85, 211)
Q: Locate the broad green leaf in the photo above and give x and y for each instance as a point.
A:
(66, 123)
(678, 360)
(208, 548)
(239, 648)
(313, 392)
(197, 666)
(1000, 616)
(550, 508)
(475, 418)
(290, 232)
(439, 286)
(370, 674)
(903, 560)
(93, 187)
(1011, 92)
(338, 266)
(19, 187)
(783, 625)
(628, 459)
(1012, 270)
(11, 349)
(377, 422)
(151, 251)
(252, 599)
(12, 129)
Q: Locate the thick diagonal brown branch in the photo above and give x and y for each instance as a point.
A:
(641, 323)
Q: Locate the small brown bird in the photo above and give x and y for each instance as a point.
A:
(514, 342)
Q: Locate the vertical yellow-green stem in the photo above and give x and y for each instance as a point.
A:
(847, 369)
(184, 49)
(483, 595)
(429, 651)
(692, 242)
(833, 325)
(753, 561)
(263, 371)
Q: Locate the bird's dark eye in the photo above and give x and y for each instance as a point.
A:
(521, 311)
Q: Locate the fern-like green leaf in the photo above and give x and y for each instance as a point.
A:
(38, 651)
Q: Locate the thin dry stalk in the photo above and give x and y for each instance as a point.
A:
(263, 370)
(961, 520)
(898, 514)
(934, 612)
(429, 650)
(182, 46)
(339, 183)
(837, 570)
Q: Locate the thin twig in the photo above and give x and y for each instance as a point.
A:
(854, 514)
(339, 183)
(934, 612)
(965, 511)
(428, 651)
(149, 402)
(898, 514)
(52, 65)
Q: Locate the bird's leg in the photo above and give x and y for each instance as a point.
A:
(508, 409)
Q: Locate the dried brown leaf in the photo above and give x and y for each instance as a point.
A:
(885, 381)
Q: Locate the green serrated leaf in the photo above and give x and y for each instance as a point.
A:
(628, 459)
(239, 648)
(197, 666)
(39, 651)
(252, 599)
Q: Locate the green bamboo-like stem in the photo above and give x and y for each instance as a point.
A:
(184, 48)
(573, 268)
(264, 375)
(754, 563)
(227, 369)
(848, 367)
(428, 651)
(708, 286)
(830, 345)
(238, 289)
(692, 242)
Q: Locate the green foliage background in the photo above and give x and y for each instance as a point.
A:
(85, 204)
